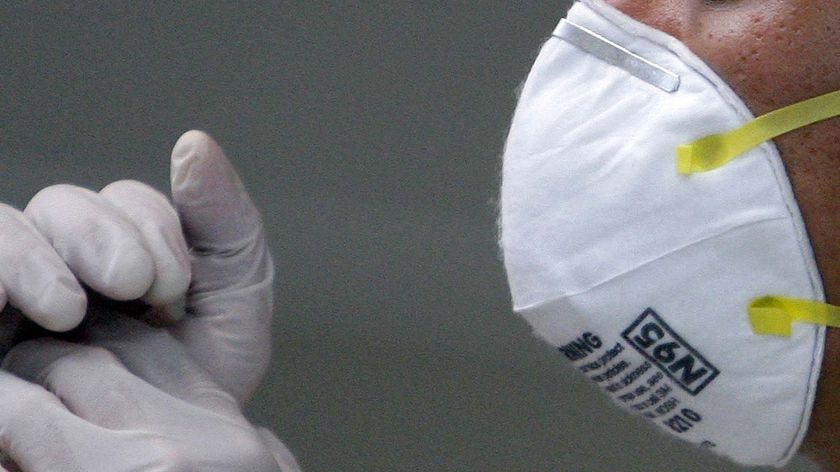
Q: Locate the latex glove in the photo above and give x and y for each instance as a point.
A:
(126, 242)
(69, 236)
(132, 400)
(98, 237)
(68, 232)
(229, 304)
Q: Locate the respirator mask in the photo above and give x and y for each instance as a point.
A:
(650, 233)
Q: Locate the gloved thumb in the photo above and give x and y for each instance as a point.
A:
(229, 304)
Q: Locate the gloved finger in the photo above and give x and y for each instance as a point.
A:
(158, 358)
(36, 430)
(160, 228)
(97, 242)
(33, 276)
(90, 381)
(40, 434)
(230, 296)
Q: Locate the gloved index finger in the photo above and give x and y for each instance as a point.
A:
(97, 242)
(158, 225)
(34, 277)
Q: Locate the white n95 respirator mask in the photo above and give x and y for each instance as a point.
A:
(650, 233)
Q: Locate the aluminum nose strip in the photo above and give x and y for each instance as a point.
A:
(612, 53)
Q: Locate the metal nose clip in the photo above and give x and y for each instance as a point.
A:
(618, 56)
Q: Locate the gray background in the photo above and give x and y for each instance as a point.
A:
(370, 135)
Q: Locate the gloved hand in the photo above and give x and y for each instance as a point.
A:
(129, 400)
(126, 242)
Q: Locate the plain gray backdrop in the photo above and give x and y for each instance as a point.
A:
(370, 134)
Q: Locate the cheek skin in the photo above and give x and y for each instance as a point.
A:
(772, 53)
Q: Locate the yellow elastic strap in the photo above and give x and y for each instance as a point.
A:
(716, 150)
(774, 314)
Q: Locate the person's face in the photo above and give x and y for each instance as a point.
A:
(774, 53)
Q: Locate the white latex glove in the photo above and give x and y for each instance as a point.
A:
(126, 242)
(130, 401)
(227, 329)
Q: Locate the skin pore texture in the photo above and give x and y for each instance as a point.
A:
(775, 53)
